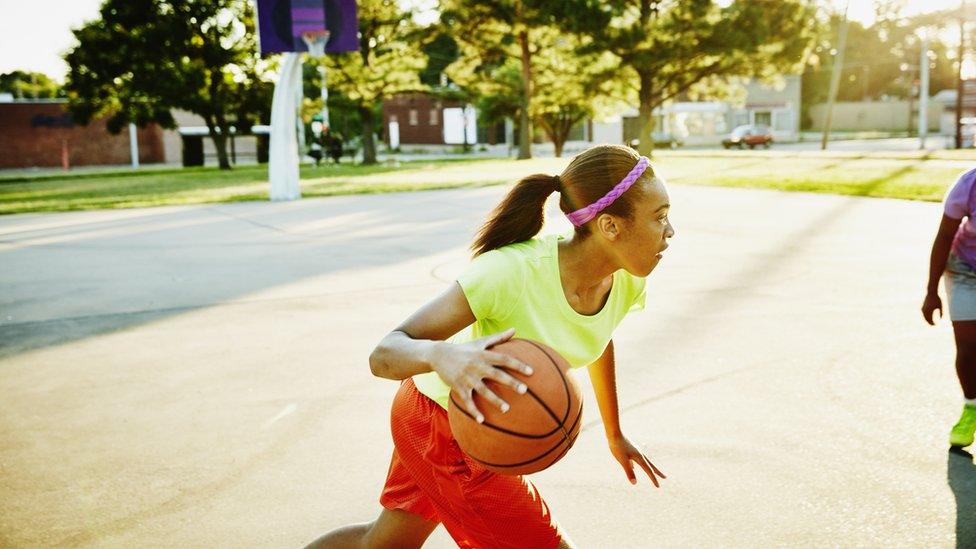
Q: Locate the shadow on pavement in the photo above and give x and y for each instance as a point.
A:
(961, 474)
(71, 278)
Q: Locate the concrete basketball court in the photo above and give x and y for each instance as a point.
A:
(197, 376)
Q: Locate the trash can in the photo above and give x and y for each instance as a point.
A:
(263, 146)
(192, 150)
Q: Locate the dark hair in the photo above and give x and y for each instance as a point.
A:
(589, 176)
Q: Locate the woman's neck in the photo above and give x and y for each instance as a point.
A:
(584, 266)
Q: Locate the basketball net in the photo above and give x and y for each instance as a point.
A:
(316, 41)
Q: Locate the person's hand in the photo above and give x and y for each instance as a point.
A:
(929, 306)
(464, 367)
(625, 452)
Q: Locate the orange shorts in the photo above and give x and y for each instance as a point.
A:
(430, 476)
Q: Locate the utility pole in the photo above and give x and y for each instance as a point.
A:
(911, 69)
(835, 78)
(923, 91)
(865, 72)
(962, 50)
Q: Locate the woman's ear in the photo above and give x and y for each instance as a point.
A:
(608, 226)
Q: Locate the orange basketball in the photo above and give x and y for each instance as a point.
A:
(539, 427)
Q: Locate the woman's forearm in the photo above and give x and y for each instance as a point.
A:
(937, 263)
(603, 377)
(398, 356)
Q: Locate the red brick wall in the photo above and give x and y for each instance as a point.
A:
(32, 134)
(423, 133)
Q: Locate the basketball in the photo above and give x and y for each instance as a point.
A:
(539, 427)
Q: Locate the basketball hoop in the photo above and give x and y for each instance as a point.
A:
(316, 41)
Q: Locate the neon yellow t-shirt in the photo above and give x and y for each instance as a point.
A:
(519, 286)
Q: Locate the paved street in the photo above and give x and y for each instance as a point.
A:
(197, 376)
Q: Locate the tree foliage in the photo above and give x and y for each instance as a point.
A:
(30, 85)
(882, 59)
(143, 58)
(666, 48)
(501, 42)
(388, 62)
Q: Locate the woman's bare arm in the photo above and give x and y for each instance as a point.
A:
(407, 350)
(940, 251)
(417, 346)
(937, 264)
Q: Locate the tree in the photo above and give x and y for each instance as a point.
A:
(491, 32)
(495, 89)
(388, 62)
(143, 58)
(667, 48)
(880, 59)
(441, 51)
(569, 86)
(34, 85)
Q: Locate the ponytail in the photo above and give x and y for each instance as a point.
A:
(520, 215)
(590, 176)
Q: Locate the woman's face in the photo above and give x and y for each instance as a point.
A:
(646, 235)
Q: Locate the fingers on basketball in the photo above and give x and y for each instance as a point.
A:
(495, 339)
(490, 395)
(470, 406)
(504, 378)
(506, 361)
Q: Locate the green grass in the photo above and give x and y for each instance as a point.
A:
(910, 175)
(857, 175)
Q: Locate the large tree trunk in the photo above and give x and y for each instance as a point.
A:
(559, 136)
(216, 119)
(525, 124)
(369, 146)
(645, 121)
(646, 117)
(220, 143)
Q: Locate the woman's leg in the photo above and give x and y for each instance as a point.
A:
(566, 543)
(392, 529)
(965, 333)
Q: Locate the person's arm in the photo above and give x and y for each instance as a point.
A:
(937, 264)
(417, 346)
(603, 377)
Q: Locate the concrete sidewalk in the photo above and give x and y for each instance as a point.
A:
(197, 376)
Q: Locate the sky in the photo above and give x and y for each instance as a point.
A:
(35, 34)
(863, 10)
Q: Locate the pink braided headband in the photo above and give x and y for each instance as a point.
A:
(582, 215)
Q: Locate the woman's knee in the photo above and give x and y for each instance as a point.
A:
(566, 543)
(347, 537)
(397, 529)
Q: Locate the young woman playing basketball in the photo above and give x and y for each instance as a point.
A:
(569, 293)
(954, 258)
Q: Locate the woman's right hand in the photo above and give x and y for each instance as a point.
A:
(929, 306)
(464, 366)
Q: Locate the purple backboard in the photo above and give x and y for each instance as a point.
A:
(282, 22)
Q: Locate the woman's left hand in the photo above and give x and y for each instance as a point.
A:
(625, 452)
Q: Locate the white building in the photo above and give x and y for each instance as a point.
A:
(707, 122)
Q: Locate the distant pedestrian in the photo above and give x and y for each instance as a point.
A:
(315, 150)
(954, 259)
(335, 147)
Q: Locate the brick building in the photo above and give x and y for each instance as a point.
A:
(420, 119)
(35, 133)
